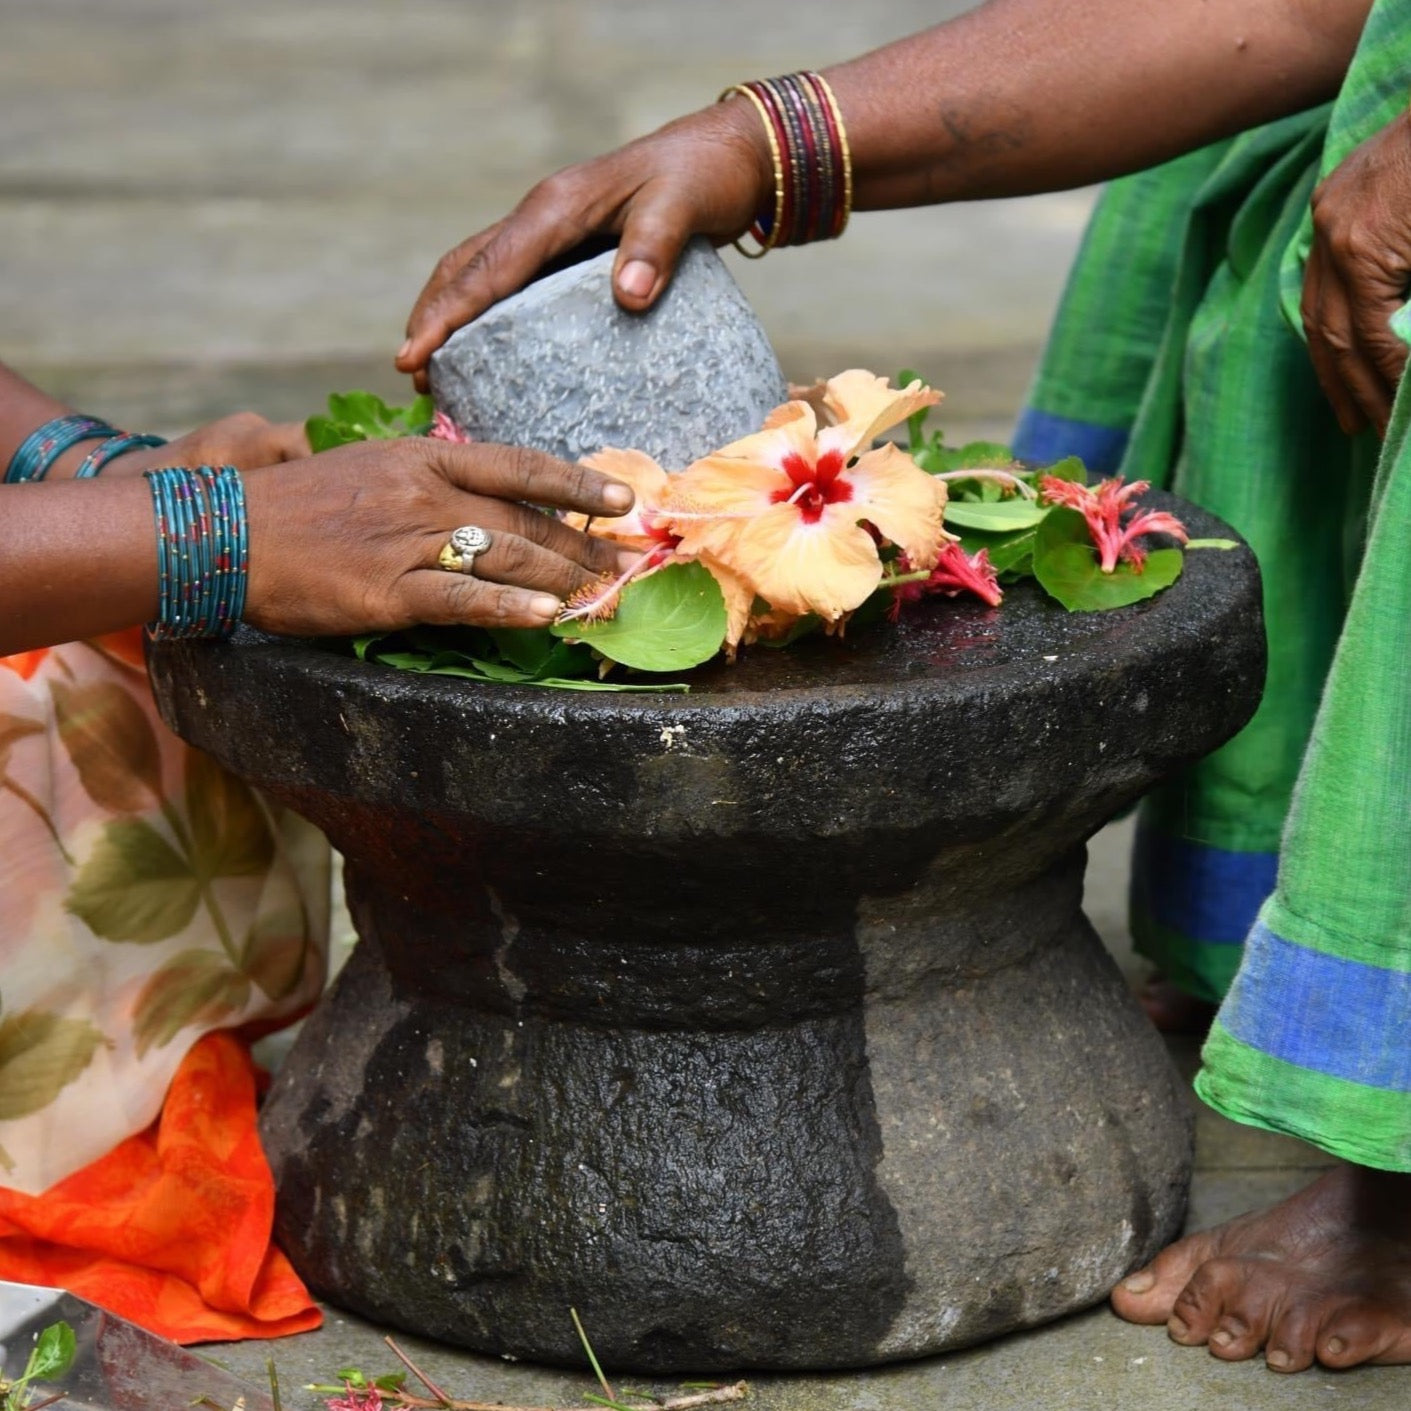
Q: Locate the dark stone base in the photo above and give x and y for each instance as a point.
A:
(963, 1151)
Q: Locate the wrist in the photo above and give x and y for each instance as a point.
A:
(738, 124)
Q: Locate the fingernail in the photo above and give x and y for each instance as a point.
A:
(618, 497)
(1140, 1282)
(1177, 1328)
(636, 278)
(1336, 1346)
(628, 558)
(1222, 1337)
(544, 605)
(404, 350)
(1277, 1357)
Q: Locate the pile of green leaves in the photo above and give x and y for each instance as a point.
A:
(674, 618)
(361, 416)
(1025, 538)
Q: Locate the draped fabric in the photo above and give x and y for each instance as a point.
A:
(1284, 858)
(147, 899)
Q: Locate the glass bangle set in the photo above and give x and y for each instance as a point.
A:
(44, 445)
(203, 535)
(203, 550)
(808, 146)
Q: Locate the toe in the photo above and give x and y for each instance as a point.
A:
(1233, 1340)
(1363, 1332)
(1149, 1295)
(1250, 1292)
(1211, 1292)
(1292, 1339)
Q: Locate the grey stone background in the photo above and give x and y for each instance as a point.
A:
(214, 204)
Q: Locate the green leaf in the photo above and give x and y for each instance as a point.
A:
(916, 422)
(134, 885)
(193, 987)
(669, 621)
(996, 517)
(528, 648)
(41, 1054)
(1213, 544)
(364, 416)
(53, 1354)
(1011, 553)
(111, 743)
(1066, 564)
(1070, 468)
(230, 834)
(974, 455)
(324, 433)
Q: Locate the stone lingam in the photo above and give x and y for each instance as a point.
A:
(762, 1025)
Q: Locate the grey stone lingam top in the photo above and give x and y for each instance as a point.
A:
(561, 367)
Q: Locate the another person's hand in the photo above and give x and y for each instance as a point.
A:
(347, 541)
(245, 440)
(1359, 274)
(707, 174)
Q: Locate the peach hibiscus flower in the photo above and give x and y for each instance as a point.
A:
(797, 510)
(645, 528)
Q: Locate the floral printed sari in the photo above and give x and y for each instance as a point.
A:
(146, 899)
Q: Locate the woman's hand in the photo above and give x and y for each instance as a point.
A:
(347, 541)
(245, 440)
(1358, 275)
(707, 174)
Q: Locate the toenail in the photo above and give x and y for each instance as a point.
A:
(1222, 1337)
(1336, 1346)
(1177, 1328)
(1277, 1357)
(1140, 1282)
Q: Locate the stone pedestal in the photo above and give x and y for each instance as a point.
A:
(761, 1025)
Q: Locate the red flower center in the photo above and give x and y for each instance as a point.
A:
(814, 487)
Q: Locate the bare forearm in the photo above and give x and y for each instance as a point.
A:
(76, 560)
(1033, 95)
(24, 407)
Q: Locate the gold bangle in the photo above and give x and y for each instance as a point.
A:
(767, 244)
(847, 151)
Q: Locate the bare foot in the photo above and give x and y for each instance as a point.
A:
(1326, 1274)
(1172, 1010)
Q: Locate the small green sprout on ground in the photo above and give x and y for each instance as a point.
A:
(51, 1357)
(356, 1391)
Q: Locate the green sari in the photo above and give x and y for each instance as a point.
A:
(1276, 873)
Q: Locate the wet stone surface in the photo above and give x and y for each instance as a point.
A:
(560, 367)
(762, 1024)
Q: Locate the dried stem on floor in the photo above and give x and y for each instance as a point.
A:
(716, 1396)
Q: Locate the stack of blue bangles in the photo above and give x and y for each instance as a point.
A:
(203, 534)
(43, 446)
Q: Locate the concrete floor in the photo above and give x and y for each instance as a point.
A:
(232, 204)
